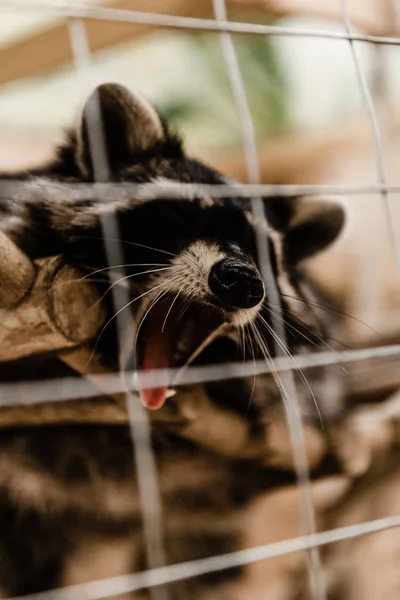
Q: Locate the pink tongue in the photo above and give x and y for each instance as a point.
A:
(157, 350)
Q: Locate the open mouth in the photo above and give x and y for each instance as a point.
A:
(172, 335)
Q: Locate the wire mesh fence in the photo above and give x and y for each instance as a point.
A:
(127, 381)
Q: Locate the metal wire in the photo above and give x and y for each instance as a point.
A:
(146, 471)
(25, 191)
(138, 581)
(65, 389)
(60, 390)
(80, 11)
(285, 380)
(376, 137)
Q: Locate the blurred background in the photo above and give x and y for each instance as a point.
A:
(294, 84)
(305, 99)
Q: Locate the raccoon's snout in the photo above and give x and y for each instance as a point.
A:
(236, 284)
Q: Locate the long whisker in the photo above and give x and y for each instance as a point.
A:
(296, 330)
(158, 297)
(170, 308)
(275, 374)
(332, 310)
(254, 374)
(119, 311)
(118, 281)
(243, 341)
(323, 340)
(267, 355)
(167, 285)
(286, 323)
(289, 355)
(124, 267)
(131, 244)
(105, 279)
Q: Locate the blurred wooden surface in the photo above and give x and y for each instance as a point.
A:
(50, 48)
(30, 56)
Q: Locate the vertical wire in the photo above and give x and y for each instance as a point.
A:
(288, 386)
(376, 136)
(149, 493)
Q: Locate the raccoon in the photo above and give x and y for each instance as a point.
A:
(197, 296)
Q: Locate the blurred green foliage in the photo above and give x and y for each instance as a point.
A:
(209, 112)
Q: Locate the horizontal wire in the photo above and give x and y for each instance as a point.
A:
(376, 138)
(42, 189)
(68, 388)
(160, 20)
(96, 590)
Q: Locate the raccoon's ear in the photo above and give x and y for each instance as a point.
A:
(307, 225)
(129, 124)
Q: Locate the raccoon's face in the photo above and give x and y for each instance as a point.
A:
(192, 263)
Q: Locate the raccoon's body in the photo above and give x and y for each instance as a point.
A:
(69, 496)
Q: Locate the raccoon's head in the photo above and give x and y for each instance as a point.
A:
(193, 267)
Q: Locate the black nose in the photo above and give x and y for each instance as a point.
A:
(236, 283)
